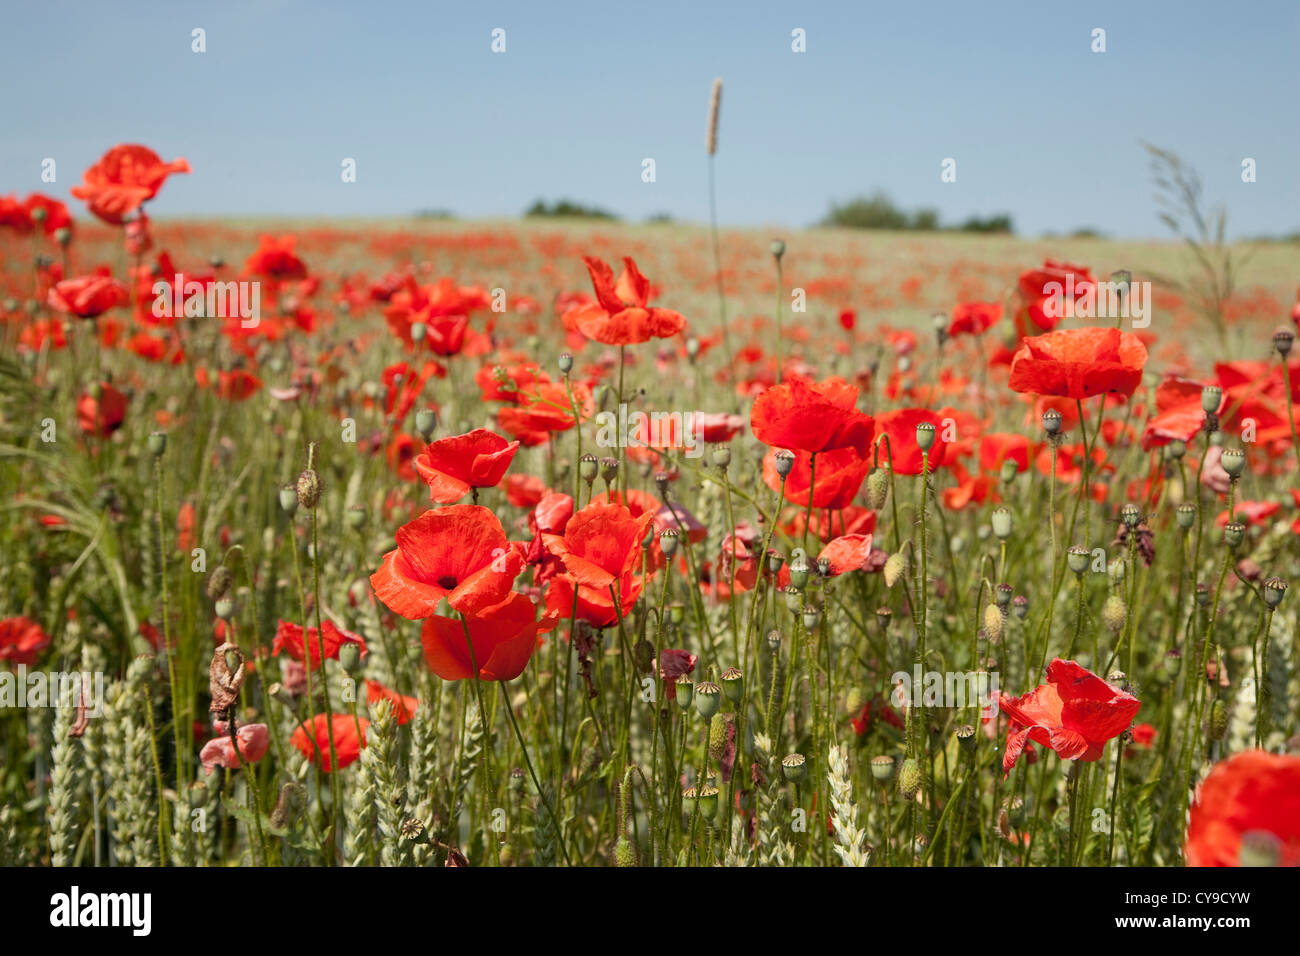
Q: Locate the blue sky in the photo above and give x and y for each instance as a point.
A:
(1040, 126)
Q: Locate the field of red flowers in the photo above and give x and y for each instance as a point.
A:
(520, 544)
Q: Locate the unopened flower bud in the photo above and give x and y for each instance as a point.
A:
(1114, 612)
(1010, 468)
(910, 778)
(308, 489)
(877, 488)
(993, 622)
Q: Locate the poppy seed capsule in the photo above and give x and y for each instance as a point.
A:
(812, 616)
(426, 421)
(794, 767)
(63, 236)
(1077, 559)
(677, 613)
(883, 616)
(225, 607)
(157, 443)
(661, 483)
(289, 499)
(733, 684)
(799, 570)
(692, 348)
(308, 489)
(668, 542)
(1234, 532)
(1173, 663)
(1020, 606)
(350, 656)
(708, 698)
(1176, 449)
(565, 361)
(1001, 521)
(909, 778)
(925, 436)
(775, 560)
(588, 468)
(708, 801)
(1130, 515)
(965, 735)
(1114, 612)
(877, 488)
(1052, 421)
(608, 470)
(1211, 397)
(882, 768)
(1185, 515)
(685, 692)
(1002, 594)
(1010, 469)
(773, 641)
(355, 516)
(793, 599)
(783, 462)
(1274, 591)
(722, 456)
(778, 248)
(418, 331)
(1233, 461)
(517, 780)
(1283, 339)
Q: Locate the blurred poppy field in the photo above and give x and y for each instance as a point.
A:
(561, 543)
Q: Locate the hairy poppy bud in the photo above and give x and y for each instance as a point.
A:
(993, 622)
(624, 854)
(877, 488)
(794, 767)
(909, 778)
(220, 582)
(717, 737)
(308, 489)
(784, 462)
(1114, 612)
(1217, 724)
(895, 568)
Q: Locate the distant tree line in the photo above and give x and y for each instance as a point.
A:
(878, 211)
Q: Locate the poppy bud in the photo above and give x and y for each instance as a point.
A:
(1077, 559)
(1052, 421)
(157, 443)
(1233, 461)
(426, 420)
(1283, 339)
(993, 622)
(624, 854)
(418, 331)
(708, 698)
(733, 684)
(565, 362)
(717, 737)
(587, 468)
(722, 456)
(668, 542)
(1274, 591)
(1217, 723)
(1114, 612)
(308, 489)
(778, 248)
(1234, 532)
(220, 582)
(883, 616)
(895, 568)
(882, 768)
(909, 778)
(784, 462)
(350, 656)
(1002, 523)
(685, 691)
(1186, 515)
(289, 499)
(1010, 469)
(608, 470)
(1020, 606)
(877, 488)
(1173, 663)
(63, 236)
(925, 435)
(1211, 397)
(794, 767)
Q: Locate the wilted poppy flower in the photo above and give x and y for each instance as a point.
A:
(87, 297)
(289, 638)
(504, 637)
(21, 639)
(621, 314)
(452, 466)
(313, 735)
(802, 415)
(1074, 713)
(459, 553)
(1079, 363)
(102, 412)
(1253, 795)
(673, 664)
(124, 178)
(220, 751)
(403, 706)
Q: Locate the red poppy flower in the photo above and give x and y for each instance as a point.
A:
(973, 318)
(349, 738)
(288, 637)
(600, 551)
(452, 466)
(1254, 793)
(1256, 513)
(1178, 414)
(253, 740)
(1079, 363)
(543, 410)
(1074, 713)
(902, 452)
(802, 415)
(53, 215)
(673, 664)
(14, 215)
(997, 447)
(237, 385)
(621, 314)
(839, 475)
(101, 413)
(446, 334)
(21, 639)
(403, 706)
(124, 178)
(87, 296)
(504, 637)
(275, 259)
(459, 553)
(1051, 294)
(849, 552)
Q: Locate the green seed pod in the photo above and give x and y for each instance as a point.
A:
(608, 470)
(778, 248)
(708, 698)
(1077, 559)
(350, 656)
(1176, 449)
(883, 617)
(895, 567)
(925, 435)
(799, 570)
(1186, 515)
(1274, 591)
(1010, 468)
(1052, 422)
(1130, 515)
(157, 443)
(1217, 724)
(794, 767)
(588, 468)
(289, 499)
(1003, 594)
(965, 735)
(1233, 461)
(722, 456)
(708, 800)
(1001, 521)
(1211, 398)
(685, 692)
(1234, 532)
(812, 617)
(882, 768)
(1020, 606)
(783, 462)
(733, 684)
(1173, 663)
(1283, 339)
(565, 361)
(426, 422)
